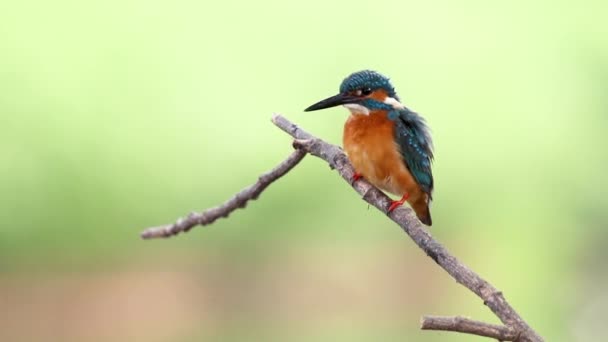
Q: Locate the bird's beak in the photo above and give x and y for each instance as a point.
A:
(333, 101)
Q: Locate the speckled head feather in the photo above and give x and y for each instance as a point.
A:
(368, 79)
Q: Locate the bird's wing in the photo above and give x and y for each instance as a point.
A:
(414, 139)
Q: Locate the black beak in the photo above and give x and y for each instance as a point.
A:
(333, 101)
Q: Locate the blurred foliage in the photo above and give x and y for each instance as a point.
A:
(117, 115)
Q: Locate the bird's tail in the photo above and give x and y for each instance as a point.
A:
(421, 207)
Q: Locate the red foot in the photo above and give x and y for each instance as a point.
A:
(395, 204)
(356, 177)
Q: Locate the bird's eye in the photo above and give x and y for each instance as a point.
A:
(363, 92)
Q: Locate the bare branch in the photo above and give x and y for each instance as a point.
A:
(514, 329)
(469, 326)
(405, 218)
(238, 201)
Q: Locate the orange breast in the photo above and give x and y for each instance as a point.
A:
(369, 142)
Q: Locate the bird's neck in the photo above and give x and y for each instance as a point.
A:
(364, 122)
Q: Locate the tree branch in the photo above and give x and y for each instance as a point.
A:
(238, 201)
(403, 216)
(469, 326)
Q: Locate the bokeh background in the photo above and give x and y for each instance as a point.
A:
(118, 115)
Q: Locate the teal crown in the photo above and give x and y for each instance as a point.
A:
(368, 79)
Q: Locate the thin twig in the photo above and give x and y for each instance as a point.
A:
(469, 326)
(238, 201)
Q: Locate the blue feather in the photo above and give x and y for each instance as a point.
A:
(368, 79)
(413, 137)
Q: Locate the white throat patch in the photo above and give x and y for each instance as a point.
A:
(393, 102)
(357, 108)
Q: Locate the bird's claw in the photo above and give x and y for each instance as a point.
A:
(395, 204)
(356, 177)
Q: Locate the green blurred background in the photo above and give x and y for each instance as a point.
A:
(118, 115)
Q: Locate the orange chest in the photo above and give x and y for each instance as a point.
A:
(369, 133)
(369, 142)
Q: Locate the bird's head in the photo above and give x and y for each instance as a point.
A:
(363, 92)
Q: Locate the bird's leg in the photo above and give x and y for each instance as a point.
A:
(356, 177)
(395, 204)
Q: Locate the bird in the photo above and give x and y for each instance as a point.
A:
(388, 144)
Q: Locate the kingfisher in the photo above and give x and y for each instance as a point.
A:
(387, 143)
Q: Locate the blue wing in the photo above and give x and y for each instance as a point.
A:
(413, 137)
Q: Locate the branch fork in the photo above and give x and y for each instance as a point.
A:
(514, 328)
